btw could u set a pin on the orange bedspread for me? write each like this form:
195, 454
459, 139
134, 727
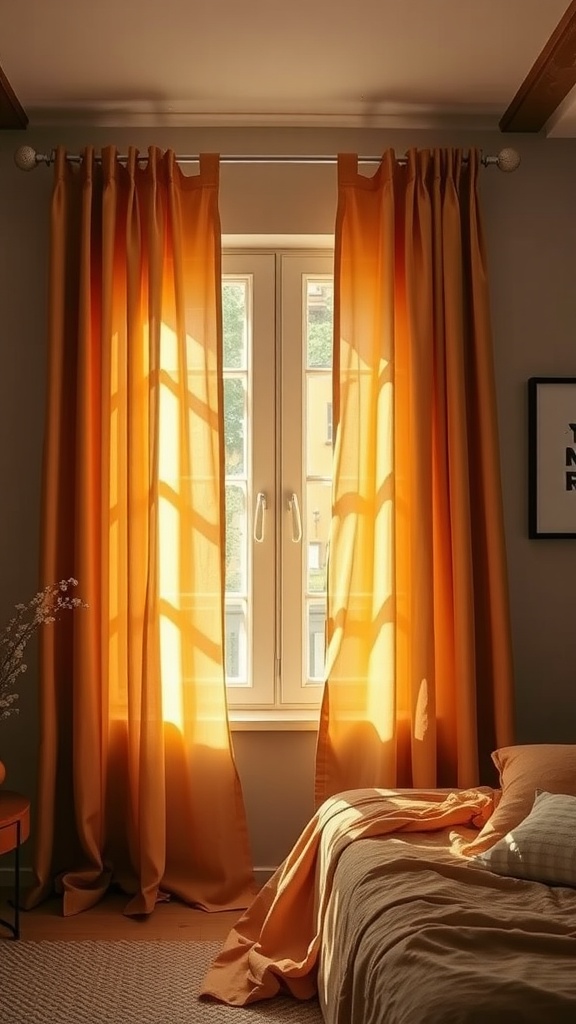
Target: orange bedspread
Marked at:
274, 946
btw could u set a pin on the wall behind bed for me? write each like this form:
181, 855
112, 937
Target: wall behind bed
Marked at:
530, 222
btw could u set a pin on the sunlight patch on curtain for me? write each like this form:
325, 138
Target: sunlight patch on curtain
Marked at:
190, 605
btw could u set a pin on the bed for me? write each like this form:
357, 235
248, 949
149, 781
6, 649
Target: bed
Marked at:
423, 907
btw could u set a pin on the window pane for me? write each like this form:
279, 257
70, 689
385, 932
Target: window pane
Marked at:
316, 636
318, 513
317, 471
314, 555
235, 324
236, 539
319, 319
236, 645
236, 328
235, 425
318, 422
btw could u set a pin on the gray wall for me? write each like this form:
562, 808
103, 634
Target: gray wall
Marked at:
530, 222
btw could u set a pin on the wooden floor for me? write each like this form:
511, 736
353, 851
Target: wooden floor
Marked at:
172, 920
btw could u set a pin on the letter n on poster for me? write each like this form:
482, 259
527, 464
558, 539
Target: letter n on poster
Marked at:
552, 457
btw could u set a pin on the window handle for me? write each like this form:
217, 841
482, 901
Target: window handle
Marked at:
294, 509
261, 506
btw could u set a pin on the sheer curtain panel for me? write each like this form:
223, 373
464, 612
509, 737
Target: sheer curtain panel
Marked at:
137, 781
419, 668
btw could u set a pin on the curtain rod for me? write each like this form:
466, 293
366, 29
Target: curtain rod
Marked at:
26, 158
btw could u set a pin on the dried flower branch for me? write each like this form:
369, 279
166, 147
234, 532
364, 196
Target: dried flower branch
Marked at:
44, 609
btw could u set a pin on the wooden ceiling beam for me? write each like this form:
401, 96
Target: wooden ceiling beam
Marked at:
12, 114
548, 82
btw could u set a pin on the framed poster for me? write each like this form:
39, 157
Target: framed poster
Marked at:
552, 457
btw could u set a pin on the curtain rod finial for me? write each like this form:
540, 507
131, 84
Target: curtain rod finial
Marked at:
508, 159
25, 158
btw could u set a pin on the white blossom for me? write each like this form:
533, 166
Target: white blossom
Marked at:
43, 609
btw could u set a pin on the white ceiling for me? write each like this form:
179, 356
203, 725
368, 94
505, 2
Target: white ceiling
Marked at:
181, 62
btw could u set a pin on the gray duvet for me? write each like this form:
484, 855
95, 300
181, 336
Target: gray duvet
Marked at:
417, 935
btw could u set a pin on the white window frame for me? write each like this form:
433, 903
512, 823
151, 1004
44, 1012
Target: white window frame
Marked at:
277, 461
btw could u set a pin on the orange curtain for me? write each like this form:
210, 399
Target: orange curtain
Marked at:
419, 669
137, 781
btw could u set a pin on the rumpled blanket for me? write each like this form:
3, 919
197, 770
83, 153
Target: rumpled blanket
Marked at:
274, 946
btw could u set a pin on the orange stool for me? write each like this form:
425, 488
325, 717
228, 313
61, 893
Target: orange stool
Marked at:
14, 830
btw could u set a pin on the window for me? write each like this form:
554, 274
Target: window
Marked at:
277, 318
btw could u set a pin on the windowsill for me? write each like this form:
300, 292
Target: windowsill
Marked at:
273, 721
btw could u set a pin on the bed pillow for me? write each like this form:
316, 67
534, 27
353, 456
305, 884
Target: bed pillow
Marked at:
524, 769
542, 847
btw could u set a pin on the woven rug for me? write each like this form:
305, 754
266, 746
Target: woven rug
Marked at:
123, 983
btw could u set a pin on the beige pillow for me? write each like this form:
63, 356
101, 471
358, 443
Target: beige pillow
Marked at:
523, 770
542, 847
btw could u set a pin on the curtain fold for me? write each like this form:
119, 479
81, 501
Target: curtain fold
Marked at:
419, 678
137, 781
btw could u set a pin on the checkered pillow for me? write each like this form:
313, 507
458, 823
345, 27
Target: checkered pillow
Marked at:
542, 847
